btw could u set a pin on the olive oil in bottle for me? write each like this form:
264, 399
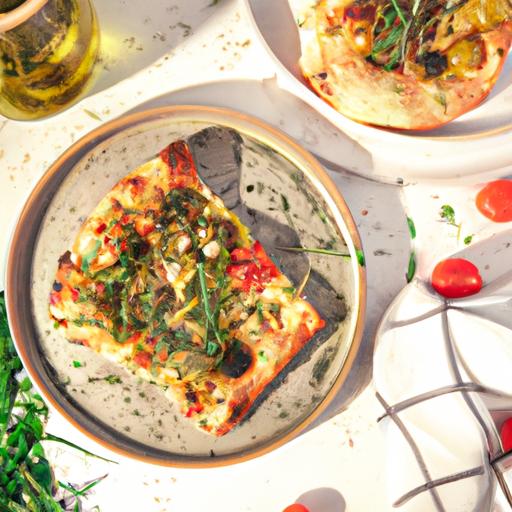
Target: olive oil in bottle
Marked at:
46, 61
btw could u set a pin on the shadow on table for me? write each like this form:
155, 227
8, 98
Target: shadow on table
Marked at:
323, 499
376, 207
134, 36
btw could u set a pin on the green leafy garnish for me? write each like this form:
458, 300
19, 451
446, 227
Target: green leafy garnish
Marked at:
412, 228
77, 364
211, 321
262, 357
360, 257
411, 269
259, 310
468, 239
447, 213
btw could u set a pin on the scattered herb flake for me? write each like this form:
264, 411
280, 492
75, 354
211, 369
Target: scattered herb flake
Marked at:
285, 203
259, 309
360, 257
468, 239
262, 357
77, 364
92, 114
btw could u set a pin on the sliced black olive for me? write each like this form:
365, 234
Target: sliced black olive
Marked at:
57, 286
237, 360
435, 64
191, 396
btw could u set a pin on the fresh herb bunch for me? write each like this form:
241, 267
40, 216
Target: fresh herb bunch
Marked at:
27, 482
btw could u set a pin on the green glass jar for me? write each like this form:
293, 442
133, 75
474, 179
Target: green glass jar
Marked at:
48, 49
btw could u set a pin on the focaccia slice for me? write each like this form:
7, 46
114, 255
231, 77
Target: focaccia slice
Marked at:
167, 282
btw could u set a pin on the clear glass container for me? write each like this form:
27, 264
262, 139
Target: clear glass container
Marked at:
48, 49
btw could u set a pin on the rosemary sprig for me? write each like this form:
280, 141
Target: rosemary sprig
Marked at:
314, 250
27, 481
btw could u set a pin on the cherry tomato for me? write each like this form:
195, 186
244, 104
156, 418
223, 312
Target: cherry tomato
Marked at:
495, 201
506, 435
456, 277
296, 507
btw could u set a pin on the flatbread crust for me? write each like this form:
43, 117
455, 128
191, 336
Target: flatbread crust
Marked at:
403, 99
133, 288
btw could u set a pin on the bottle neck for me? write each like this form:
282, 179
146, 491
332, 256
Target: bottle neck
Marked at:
9, 5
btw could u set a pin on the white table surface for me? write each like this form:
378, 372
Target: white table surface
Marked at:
188, 51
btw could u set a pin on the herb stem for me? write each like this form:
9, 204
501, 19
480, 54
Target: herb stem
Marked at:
399, 12
206, 305
327, 252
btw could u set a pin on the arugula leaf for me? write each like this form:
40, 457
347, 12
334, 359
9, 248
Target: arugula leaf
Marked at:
383, 44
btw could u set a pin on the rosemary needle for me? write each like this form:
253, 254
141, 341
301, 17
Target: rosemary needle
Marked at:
327, 252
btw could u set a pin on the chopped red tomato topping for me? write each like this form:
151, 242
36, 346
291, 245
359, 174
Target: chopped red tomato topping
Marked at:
125, 219
252, 268
162, 355
134, 338
101, 228
75, 294
143, 359
117, 230
196, 408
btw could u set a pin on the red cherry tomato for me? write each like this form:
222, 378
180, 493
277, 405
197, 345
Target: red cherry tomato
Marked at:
296, 507
495, 201
455, 278
506, 435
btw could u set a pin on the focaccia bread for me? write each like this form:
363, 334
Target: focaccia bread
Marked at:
166, 281
404, 64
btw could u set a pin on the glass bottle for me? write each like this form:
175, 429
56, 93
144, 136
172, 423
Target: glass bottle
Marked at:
47, 53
